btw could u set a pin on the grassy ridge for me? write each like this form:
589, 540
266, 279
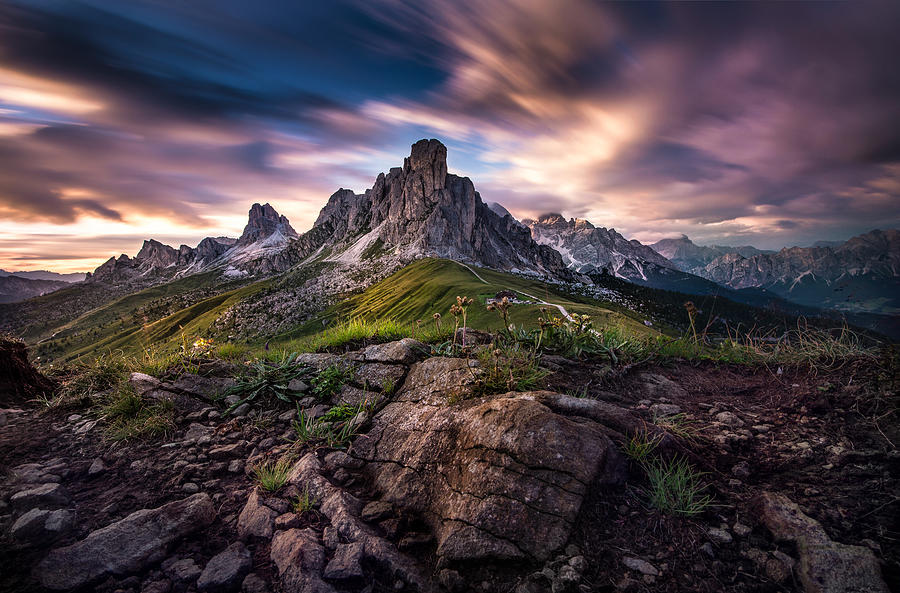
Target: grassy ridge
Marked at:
430, 286
137, 321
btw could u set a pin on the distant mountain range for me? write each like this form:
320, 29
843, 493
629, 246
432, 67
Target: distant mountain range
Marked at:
14, 288
688, 256
861, 274
420, 210
45, 275
18, 286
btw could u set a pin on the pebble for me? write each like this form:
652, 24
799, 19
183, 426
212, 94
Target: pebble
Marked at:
96, 468
719, 536
190, 488
741, 470
642, 566
728, 419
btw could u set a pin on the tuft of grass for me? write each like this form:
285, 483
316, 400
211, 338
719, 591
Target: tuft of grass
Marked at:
341, 412
676, 488
336, 428
509, 369
330, 380
305, 502
640, 446
232, 351
130, 417
679, 425
82, 380
268, 380
272, 475
388, 386
357, 331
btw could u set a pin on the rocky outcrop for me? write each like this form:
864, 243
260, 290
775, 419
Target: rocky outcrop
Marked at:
587, 248
264, 222
422, 210
20, 382
861, 274
498, 478
136, 541
826, 566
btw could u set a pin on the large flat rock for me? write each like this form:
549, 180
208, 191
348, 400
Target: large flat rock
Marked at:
501, 477
129, 545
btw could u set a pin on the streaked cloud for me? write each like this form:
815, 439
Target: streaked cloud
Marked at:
729, 122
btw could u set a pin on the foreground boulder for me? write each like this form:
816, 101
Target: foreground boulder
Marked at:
226, 570
826, 566
140, 539
496, 478
19, 380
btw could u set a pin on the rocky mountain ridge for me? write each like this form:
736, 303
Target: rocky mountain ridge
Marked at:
863, 268
418, 210
421, 210
587, 248
689, 256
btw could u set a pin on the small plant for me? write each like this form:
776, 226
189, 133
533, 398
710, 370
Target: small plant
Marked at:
330, 380
268, 380
641, 445
305, 502
80, 381
340, 412
308, 428
336, 428
679, 425
509, 369
341, 434
201, 347
130, 417
501, 307
388, 386
692, 317
581, 392
460, 309
676, 488
272, 474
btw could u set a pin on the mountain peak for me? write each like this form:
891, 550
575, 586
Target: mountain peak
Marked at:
552, 218
429, 159
264, 221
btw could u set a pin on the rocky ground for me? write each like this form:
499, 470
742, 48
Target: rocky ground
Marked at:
445, 491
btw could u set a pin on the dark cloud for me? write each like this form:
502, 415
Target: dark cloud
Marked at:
716, 119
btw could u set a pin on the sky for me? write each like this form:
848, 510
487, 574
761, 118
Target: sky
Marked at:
771, 124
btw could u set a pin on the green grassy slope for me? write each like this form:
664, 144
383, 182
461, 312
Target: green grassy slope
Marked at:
156, 317
431, 286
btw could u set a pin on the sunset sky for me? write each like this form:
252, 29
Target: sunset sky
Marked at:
771, 124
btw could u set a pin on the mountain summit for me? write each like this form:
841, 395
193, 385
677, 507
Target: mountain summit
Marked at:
263, 223
587, 248
422, 210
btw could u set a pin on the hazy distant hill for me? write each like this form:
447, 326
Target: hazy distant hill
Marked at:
46, 275
861, 274
14, 288
690, 257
